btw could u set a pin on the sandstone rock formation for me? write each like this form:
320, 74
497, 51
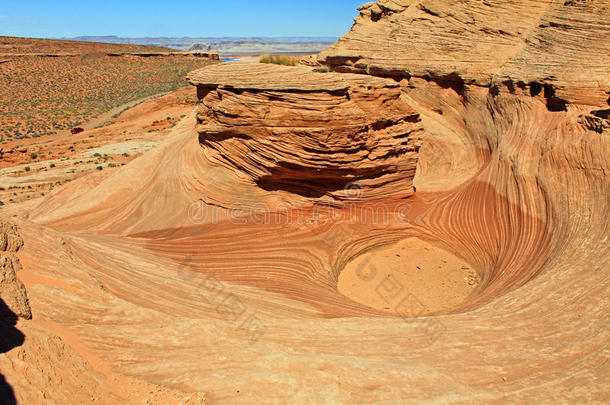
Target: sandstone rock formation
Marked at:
12, 291
186, 270
528, 44
309, 60
309, 133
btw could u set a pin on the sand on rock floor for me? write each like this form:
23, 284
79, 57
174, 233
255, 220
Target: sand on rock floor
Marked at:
412, 275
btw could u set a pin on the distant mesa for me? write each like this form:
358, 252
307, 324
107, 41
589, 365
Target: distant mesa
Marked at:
200, 47
224, 44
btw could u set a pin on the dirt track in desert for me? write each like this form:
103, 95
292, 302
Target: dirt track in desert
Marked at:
423, 226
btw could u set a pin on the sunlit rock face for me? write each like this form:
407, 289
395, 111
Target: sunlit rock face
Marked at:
319, 135
13, 296
520, 43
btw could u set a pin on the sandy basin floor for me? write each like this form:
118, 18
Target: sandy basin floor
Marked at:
412, 277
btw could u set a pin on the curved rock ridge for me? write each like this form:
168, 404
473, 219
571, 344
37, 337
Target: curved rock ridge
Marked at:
526, 43
505, 90
313, 134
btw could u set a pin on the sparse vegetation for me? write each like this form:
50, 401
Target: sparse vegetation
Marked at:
277, 59
321, 69
41, 96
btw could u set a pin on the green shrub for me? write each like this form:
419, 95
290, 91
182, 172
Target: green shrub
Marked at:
322, 69
99, 168
52, 165
277, 59
27, 168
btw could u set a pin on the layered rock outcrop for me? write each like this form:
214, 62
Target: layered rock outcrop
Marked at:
12, 292
313, 134
560, 45
506, 90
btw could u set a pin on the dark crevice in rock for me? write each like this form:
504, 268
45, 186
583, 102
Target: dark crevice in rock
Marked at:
428, 11
314, 182
594, 122
605, 114
221, 135
203, 91
549, 91
535, 89
451, 81
396, 75
575, 3
325, 151
510, 86
554, 103
559, 25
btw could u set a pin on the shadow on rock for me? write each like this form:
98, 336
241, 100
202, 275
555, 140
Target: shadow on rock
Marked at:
10, 337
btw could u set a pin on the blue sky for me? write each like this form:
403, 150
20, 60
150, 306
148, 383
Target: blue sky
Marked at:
176, 18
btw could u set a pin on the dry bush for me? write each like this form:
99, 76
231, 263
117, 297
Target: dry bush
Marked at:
277, 59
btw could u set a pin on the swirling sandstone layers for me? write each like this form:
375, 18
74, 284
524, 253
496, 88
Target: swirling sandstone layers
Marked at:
561, 44
513, 97
312, 134
508, 177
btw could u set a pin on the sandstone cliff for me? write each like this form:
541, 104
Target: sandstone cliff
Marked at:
309, 133
12, 291
562, 45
